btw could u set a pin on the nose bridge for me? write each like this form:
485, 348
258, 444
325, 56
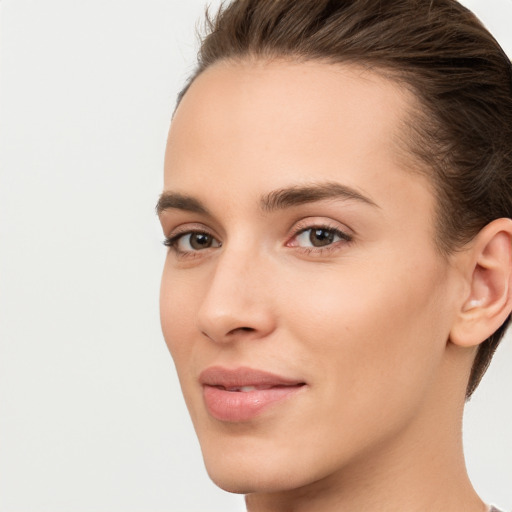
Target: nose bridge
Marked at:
236, 302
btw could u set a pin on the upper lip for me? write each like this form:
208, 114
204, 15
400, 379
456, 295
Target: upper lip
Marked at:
244, 376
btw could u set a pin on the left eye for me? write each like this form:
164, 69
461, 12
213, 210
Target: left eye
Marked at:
319, 237
193, 241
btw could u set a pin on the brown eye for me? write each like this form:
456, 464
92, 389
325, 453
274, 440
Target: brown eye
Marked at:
192, 241
320, 237
200, 241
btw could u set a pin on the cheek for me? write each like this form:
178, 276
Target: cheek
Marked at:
177, 299
371, 349
372, 332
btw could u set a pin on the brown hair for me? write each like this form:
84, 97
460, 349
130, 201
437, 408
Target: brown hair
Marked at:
439, 50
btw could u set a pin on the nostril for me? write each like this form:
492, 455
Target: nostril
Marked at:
230, 335
242, 329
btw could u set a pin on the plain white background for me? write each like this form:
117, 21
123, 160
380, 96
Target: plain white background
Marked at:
91, 415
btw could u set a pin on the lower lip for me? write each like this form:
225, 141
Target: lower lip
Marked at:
239, 406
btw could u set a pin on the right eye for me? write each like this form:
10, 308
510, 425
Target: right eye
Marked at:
191, 241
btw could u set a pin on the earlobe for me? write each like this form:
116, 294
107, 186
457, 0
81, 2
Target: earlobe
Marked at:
489, 273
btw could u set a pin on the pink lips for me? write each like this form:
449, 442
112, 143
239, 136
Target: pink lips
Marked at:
241, 394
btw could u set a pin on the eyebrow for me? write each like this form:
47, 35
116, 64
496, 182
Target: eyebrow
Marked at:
174, 201
297, 195
276, 200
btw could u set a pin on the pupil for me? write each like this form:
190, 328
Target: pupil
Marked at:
320, 237
201, 241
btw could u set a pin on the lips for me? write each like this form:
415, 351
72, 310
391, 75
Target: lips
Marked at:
241, 394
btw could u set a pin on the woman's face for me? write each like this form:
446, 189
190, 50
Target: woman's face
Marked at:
303, 300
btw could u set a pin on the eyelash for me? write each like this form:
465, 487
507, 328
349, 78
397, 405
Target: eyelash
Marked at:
344, 238
172, 241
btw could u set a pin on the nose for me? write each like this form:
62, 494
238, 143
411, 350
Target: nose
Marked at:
237, 304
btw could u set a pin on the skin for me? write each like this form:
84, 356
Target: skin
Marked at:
365, 323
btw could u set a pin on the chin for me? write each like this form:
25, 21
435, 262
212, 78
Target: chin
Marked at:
233, 484
241, 473
250, 469
239, 481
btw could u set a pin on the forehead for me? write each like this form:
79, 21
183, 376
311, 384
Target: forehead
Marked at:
257, 125
281, 95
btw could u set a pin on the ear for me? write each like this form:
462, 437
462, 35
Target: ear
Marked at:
488, 268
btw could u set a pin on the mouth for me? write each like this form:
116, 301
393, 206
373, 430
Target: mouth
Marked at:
242, 394
248, 389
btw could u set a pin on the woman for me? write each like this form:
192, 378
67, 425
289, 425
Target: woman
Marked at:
337, 204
